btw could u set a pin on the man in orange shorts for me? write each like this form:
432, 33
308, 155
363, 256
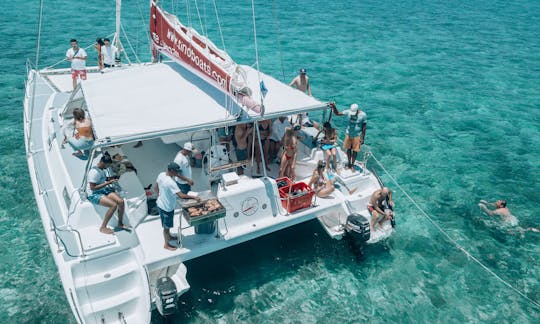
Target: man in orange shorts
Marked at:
355, 133
77, 57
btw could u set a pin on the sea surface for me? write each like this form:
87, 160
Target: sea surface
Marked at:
452, 93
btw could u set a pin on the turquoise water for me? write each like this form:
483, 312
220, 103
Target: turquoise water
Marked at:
452, 93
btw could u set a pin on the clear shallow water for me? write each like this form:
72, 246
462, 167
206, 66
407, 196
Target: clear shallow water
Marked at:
451, 91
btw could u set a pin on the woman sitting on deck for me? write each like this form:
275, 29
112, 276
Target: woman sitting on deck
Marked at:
319, 181
288, 158
82, 138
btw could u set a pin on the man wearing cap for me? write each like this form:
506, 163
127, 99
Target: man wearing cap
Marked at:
355, 133
301, 82
167, 191
183, 160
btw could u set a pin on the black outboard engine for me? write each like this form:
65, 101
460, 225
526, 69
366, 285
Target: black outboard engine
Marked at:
357, 227
166, 296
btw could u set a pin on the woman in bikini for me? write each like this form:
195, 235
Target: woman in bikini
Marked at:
328, 143
82, 138
288, 158
320, 183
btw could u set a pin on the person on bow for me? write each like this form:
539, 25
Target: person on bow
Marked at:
77, 57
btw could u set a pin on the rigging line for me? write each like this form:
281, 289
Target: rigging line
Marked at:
38, 44
147, 31
276, 19
219, 26
256, 50
130, 46
200, 19
456, 244
188, 13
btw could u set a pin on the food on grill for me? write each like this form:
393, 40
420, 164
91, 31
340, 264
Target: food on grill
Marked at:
204, 208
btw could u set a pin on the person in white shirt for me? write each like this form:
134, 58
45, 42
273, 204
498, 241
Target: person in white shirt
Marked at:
102, 193
183, 160
77, 57
167, 191
109, 53
278, 130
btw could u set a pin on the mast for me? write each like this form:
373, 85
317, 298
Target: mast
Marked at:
117, 33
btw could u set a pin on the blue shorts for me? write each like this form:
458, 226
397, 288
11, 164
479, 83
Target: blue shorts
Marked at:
184, 187
97, 194
327, 146
167, 218
241, 155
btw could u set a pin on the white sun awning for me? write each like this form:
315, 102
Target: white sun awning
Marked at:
151, 100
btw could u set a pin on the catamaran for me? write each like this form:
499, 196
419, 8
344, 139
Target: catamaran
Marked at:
194, 97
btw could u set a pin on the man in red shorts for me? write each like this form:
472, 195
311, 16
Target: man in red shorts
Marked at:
77, 57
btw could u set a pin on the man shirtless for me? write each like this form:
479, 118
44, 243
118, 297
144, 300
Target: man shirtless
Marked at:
301, 82
500, 208
380, 205
241, 134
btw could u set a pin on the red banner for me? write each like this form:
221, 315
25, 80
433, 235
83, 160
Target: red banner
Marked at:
177, 46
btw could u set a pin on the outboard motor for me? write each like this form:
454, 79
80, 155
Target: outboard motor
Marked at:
357, 227
165, 292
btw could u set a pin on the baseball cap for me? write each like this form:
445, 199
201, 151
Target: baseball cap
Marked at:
188, 147
354, 107
302, 71
173, 166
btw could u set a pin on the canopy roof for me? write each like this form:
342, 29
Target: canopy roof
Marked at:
146, 101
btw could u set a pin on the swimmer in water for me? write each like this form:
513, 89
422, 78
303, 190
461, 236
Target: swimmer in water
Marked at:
500, 209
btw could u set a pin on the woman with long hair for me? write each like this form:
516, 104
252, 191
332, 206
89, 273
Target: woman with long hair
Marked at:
328, 145
82, 138
288, 157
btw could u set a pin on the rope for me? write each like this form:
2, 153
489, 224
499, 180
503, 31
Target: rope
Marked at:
456, 244
130, 46
219, 26
200, 19
39, 33
256, 51
143, 21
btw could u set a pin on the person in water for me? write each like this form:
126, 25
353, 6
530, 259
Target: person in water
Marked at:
301, 82
498, 208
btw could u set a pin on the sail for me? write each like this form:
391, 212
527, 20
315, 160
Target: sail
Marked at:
197, 53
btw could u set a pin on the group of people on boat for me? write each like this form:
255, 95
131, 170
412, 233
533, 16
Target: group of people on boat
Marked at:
107, 56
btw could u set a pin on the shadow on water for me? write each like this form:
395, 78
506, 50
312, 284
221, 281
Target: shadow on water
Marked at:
220, 279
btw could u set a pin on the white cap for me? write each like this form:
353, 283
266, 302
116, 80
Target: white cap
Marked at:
188, 147
354, 107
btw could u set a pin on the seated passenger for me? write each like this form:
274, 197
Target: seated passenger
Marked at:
167, 191
288, 158
328, 145
319, 181
120, 163
104, 194
381, 207
244, 97
82, 138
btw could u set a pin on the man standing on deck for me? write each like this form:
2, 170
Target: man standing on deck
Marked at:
301, 82
109, 53
183, 159
355, 133
77, 57
241, 135
167, 191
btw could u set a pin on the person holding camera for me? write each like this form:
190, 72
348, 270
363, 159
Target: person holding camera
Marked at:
103, 193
